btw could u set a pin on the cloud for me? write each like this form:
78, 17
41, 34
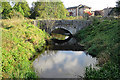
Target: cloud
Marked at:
62, 64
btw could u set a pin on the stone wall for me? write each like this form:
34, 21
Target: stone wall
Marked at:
73, 26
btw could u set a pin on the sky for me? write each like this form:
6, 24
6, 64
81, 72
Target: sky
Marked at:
94, 4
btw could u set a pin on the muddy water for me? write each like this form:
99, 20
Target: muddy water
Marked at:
63, 60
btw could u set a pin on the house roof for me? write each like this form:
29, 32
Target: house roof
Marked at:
72, 7
78, 6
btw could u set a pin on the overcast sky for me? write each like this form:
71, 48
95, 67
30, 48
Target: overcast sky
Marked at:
94, 4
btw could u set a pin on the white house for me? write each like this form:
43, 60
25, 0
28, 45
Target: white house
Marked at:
79, 10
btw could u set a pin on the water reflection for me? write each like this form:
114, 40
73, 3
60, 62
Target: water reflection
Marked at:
62, 64
69, 44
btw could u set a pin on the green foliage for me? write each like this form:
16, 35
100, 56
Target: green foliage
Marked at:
18, 9
5, 5
23, 8
14, 14
93, 35
8, 12
5, 9
44, 10
108, 71
118, 7
103, 37
20, 42
48, 10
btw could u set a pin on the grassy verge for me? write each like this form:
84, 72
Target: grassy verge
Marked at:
20, 41
102, 39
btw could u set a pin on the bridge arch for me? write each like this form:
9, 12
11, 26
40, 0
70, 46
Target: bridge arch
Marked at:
73, 26
62, 31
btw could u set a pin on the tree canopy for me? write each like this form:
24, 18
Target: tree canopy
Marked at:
5, 9
118, 7
23, 8
39, 9
19, 8
48, 10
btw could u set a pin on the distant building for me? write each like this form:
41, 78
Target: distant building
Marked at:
79, 10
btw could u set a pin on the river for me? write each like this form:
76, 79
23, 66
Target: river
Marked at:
63, 60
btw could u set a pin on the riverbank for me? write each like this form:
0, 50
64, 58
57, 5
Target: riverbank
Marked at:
102, 40
20, 41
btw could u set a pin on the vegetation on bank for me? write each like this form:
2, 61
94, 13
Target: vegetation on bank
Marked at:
102, 39
20, 41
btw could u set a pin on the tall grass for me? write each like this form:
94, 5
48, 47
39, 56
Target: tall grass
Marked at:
20, 41
102, 39
0, 54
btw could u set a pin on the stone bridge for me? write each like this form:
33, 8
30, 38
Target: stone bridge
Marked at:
73, 26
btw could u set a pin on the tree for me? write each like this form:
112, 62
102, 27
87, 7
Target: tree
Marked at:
23, 8
48, 10
62, 12
5, 9
118, 7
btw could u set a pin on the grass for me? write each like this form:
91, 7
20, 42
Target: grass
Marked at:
20, 41
102, 40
